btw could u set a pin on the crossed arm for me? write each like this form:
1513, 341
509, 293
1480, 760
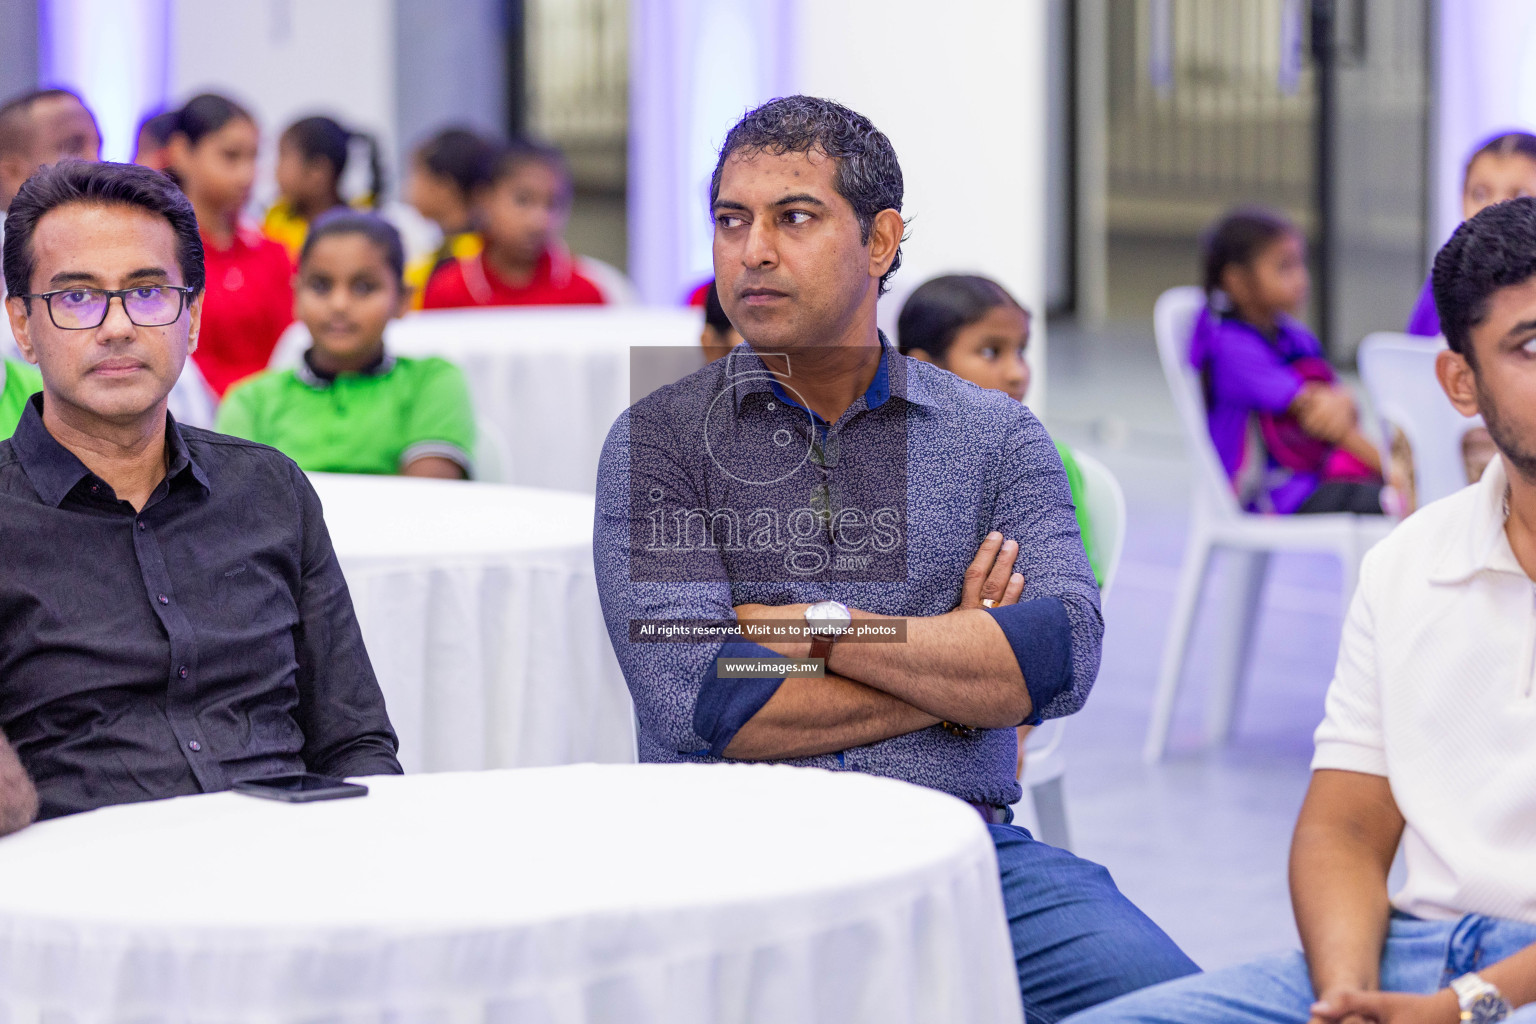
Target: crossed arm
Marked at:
1345, 840
957, 667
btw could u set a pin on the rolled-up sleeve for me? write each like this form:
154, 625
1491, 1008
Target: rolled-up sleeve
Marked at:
1056, 630
679, 700
341, 708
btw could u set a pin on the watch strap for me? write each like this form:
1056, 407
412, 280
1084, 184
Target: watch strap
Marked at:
821, 647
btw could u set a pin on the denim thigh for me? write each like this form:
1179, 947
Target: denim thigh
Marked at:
1076, 940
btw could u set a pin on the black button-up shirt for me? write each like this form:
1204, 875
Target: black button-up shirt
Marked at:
206, 639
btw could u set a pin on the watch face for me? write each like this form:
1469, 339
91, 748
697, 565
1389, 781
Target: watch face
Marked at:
827, 613
1487, 1008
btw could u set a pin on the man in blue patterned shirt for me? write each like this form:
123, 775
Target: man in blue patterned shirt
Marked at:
815, 476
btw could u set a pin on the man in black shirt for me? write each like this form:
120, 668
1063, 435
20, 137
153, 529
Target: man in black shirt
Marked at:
172, 615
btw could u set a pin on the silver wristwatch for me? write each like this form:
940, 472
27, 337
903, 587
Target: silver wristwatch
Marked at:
825, 621
1481, 1003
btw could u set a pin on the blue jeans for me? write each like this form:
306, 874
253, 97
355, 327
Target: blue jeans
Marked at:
1077, 941
1419, 957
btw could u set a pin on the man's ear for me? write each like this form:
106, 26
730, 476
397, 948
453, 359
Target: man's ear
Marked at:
884, 240
194, 321
21, 327
1458, 380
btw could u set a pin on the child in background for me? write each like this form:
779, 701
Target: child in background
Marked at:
719, 335
973, 328
350, 407
522, 215
311, 158
249, 299
447, 172
152, 143
1287, 433
1502, 168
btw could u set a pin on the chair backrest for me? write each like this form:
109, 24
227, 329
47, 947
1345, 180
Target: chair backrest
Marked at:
1173, 323
1398, 371
1105, 501
490, 459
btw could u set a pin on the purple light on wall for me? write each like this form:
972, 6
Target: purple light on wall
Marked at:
114, 53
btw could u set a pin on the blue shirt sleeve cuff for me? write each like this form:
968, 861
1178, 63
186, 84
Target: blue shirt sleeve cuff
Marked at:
1041, 637
724, 706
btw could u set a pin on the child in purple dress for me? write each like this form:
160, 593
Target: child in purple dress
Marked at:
1286, 431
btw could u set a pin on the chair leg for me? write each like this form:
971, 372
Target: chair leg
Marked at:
1239, 628
1051, 813
1186, 602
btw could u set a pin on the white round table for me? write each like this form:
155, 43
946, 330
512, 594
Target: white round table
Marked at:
478, 604
547, 381
638, 894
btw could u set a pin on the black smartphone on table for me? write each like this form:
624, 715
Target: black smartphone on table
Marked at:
300, 788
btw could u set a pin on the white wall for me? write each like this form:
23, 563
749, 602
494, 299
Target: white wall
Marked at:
961, 92
286, 59
1485, 82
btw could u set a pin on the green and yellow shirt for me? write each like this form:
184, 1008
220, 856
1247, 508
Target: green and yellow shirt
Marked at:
377, 420
18, 382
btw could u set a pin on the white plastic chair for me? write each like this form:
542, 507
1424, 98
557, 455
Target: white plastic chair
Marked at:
1218, 521
490, 459
1044, 763
1398, 371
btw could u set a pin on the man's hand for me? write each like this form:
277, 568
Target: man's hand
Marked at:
990, 574
18, 797
1347, 1007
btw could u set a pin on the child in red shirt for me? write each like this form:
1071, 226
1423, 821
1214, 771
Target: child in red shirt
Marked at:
249, 299
522, 214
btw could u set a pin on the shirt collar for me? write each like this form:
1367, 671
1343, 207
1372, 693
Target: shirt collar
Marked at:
54, 470
749, 375
1482, 545
309, 374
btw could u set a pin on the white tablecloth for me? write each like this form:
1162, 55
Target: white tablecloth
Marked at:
479, 607
641, 894
547, 382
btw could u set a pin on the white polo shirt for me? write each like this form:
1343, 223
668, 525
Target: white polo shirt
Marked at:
1434, 691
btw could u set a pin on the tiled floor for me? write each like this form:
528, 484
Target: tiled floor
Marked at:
1200, 841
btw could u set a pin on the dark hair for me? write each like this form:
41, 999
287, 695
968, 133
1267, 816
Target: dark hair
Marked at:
203, 115
159, 127
376, 229
938, 309
1504, 144
321, 138
1236, 240
714, 313
464, 157
76, 181
1493, 250
15, 116
519, 152
868, 174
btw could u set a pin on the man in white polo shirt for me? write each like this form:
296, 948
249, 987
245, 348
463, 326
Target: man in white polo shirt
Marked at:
1430, 731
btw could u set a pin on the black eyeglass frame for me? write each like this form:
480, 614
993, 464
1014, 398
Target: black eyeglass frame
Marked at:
119, 294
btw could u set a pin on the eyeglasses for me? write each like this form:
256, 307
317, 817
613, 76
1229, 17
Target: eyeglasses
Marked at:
83, 309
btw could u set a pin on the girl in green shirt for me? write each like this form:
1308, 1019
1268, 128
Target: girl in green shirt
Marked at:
18, 382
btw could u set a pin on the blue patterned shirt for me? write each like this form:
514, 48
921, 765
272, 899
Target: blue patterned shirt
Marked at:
723, 489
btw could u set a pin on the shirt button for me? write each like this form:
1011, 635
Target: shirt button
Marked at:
194, 746
163, 599
142, 526
182, 671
